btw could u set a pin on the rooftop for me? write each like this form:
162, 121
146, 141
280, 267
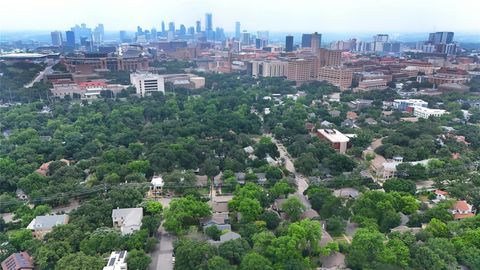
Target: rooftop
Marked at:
47, 222
333, 135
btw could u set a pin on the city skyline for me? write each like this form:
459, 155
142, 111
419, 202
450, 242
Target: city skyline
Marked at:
304, 16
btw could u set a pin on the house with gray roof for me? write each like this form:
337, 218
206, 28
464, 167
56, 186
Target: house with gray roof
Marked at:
127, 220
42, 225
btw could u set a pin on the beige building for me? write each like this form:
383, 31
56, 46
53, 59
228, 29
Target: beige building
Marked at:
300, 70
372, 84
341, 77
338, 140
329, 57
275, 69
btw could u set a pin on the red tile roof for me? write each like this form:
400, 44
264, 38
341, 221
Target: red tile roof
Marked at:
461, 216
441, 192
461, 206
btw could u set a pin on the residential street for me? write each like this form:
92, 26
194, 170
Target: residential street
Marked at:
163, 252
301, 180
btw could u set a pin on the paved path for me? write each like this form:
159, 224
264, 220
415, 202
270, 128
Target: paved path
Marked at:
47, 70
163, 252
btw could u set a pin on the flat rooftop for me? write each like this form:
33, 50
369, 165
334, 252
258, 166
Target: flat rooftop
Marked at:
333, 135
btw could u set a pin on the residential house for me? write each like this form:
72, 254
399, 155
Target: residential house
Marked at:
441, 195
156, 185
240, 176
202, 180
461, 210
228, 236
127, 220
261, 178
18, 261
346, 193
309, 214
117, 261
42, 225
326, 124
220, 220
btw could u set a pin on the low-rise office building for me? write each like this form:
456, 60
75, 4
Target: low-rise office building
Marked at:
337, 140
423, 112
147, 83
366, 85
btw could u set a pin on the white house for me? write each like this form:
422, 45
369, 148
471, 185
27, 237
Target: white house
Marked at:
127, 220
441, 195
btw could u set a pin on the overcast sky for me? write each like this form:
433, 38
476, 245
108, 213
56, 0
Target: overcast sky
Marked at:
273, 15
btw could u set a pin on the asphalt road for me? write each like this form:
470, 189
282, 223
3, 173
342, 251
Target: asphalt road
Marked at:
301, 180
162, 255
163, 252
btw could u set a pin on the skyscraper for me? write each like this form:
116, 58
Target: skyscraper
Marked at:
56, 38
289, 43
183, 30
191, 30
163, 28
123, 36
246, 38
306, 40
237, 30
198, 26
70, 35
316, 41
441, 38
153, 34
208, 22
171, 27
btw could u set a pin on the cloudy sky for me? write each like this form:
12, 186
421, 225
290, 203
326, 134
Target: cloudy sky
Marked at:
273, 15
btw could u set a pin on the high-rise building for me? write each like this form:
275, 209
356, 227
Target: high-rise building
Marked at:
289, 43
171, 27
57, 39
153, 34
209, 27
441, 38
70, 36
139, 31
123, 36
300, 70
258, 43
237, 30
246, 38
378, 42
163, 28
306, 40
182, 30
98, 34
191, 30
208, 22
198, 26
316, 42
337, 76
